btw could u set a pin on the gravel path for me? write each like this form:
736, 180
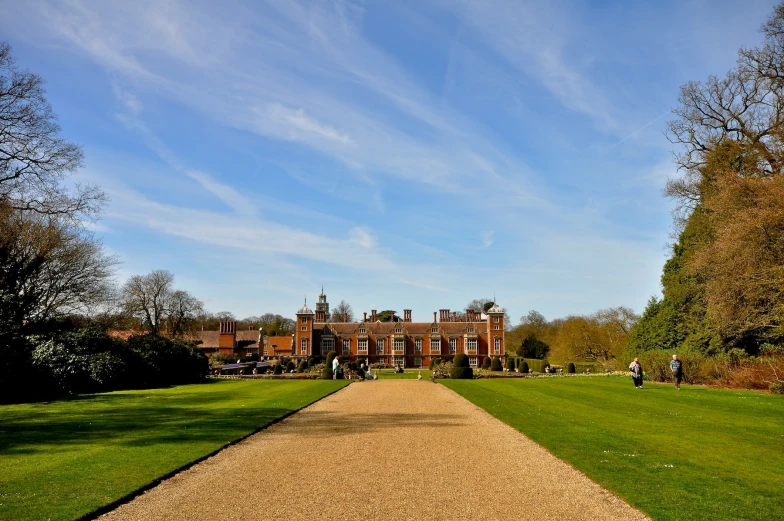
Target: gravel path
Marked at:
381, 450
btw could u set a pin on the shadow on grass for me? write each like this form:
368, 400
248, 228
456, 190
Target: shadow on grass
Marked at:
105, 419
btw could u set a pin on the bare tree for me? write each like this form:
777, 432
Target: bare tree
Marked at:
340, 312
160, 308
145, 298
746, 107
50, 269
182, 310
34, 160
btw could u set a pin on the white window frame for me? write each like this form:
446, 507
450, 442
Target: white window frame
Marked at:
435, 348
470, 330
380, 345
471, 344
399, 330
327, 345
346, 346
434, 330
399, 345
497, 345
362, 346
418, 345
362, 330
304, 320
304, 328
399, 360
496, 319
418, 361
453, 345
496, 328
472, 361
303, 346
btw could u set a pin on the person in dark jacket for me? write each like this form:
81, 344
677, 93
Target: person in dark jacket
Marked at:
677, 371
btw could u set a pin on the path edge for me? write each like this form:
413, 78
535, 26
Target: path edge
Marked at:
127, 498
646, 515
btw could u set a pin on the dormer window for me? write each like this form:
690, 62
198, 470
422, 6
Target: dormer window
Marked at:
362, 330
470, 330
434, 330
399, 330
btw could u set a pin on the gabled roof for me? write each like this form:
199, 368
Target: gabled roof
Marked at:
278, 343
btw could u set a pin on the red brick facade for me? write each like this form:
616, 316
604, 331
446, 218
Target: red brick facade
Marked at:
405, 343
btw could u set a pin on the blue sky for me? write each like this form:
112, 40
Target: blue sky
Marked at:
403, 154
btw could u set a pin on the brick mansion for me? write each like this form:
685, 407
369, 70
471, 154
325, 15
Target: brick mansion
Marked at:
400, 341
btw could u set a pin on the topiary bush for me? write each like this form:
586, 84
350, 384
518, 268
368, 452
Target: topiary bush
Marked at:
523, 369
570, 368
510, 364
303, 366
290, 366
461, 370
278, 369
495, 365
486, 363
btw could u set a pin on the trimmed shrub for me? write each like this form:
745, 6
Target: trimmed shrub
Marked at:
486, 363
523, 369
461, 370
495, 365
312, 362
290, 366
353, 366
537, 365
510, 364
278, 369
570, 368
326, 373
303, 366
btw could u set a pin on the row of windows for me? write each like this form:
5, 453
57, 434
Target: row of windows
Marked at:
327, 345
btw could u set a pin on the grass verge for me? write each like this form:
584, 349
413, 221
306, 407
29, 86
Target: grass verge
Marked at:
691, 455
64, 459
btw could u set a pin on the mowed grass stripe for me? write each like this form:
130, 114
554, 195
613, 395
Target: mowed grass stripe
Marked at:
697, 453
64, 459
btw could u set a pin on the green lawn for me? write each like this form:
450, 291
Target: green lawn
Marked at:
408, 374
695, 454
64, 459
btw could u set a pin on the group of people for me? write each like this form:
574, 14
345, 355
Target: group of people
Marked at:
676, 368
337, 370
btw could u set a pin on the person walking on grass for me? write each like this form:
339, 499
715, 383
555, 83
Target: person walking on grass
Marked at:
636, 370
335, 365
677, 371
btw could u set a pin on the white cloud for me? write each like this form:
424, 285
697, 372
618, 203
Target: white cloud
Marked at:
300, 126
487, 239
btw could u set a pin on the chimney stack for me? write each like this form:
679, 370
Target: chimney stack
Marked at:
345, 317
372, 315
454, 316
406, 315
434, 316
364, 316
